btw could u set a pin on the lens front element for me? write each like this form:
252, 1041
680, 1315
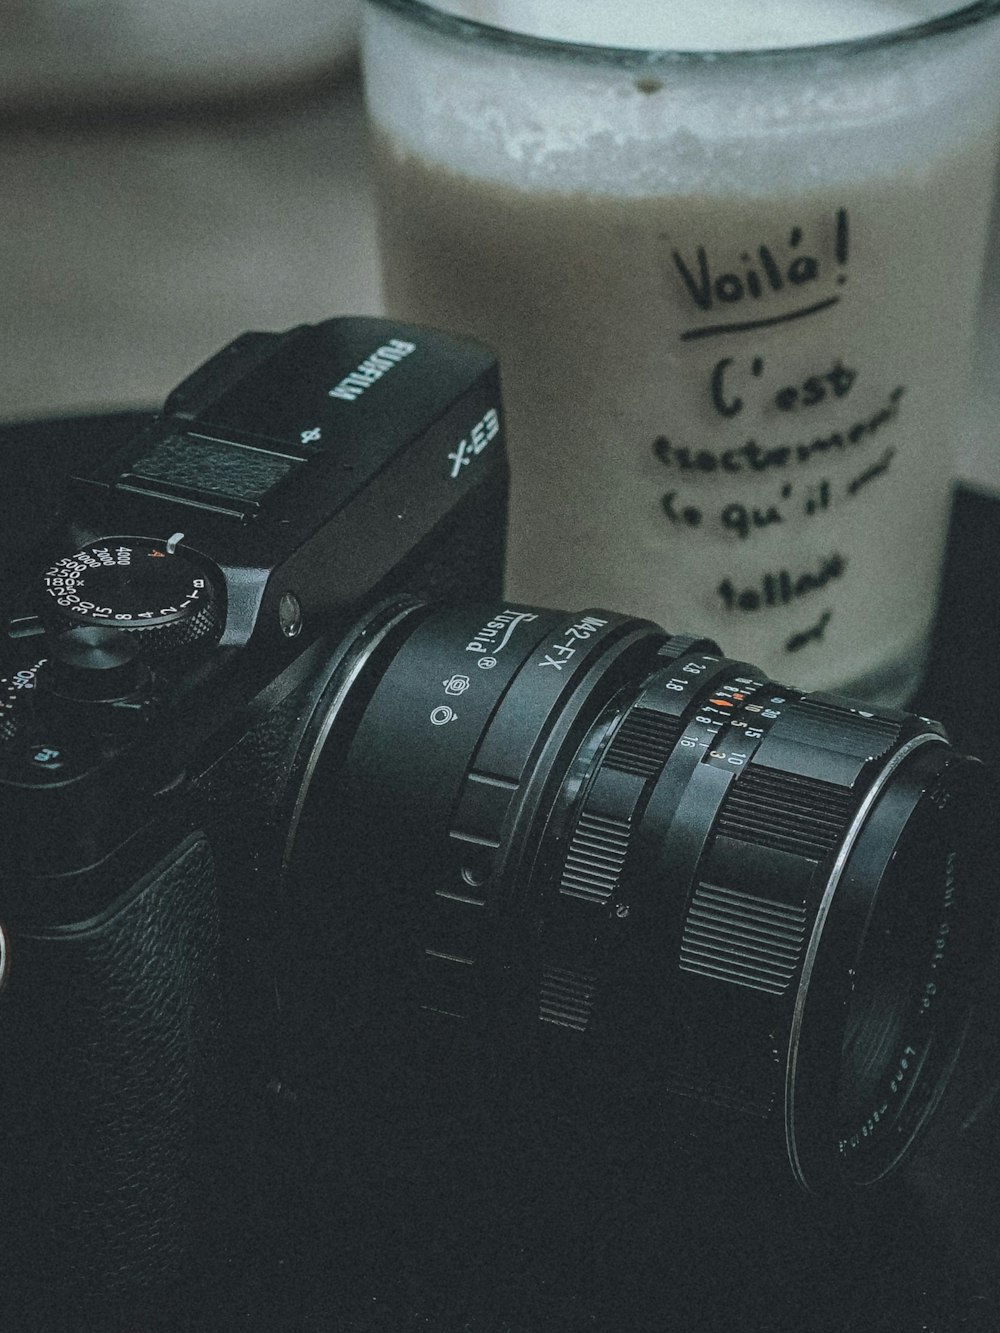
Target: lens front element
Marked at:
889, 984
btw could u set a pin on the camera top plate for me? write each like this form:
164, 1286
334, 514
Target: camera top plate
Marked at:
310, 460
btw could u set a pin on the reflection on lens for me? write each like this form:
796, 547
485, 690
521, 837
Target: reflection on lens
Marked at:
897, 942
625, 859
904, 949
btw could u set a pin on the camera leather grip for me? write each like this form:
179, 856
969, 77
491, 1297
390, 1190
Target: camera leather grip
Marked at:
109, 1046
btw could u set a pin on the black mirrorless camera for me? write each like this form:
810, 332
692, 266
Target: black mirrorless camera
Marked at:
306, 828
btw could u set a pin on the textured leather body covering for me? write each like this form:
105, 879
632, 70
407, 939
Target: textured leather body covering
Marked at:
138, 1164
109, 1036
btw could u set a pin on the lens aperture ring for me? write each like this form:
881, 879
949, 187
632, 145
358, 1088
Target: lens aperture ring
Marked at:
685, 646
642, 742
611, 804
674, 718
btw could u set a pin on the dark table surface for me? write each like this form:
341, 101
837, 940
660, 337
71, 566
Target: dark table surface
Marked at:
613, 1236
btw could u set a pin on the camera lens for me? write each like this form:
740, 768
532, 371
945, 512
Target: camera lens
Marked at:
608, 849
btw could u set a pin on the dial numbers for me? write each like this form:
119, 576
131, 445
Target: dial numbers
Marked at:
132, 583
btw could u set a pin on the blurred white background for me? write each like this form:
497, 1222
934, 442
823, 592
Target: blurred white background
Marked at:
171, 174
69, 49
980, 461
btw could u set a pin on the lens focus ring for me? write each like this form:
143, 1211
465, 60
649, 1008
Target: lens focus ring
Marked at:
711, 828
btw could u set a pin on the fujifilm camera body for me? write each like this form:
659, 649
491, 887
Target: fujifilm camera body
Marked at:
177, 641
345, 904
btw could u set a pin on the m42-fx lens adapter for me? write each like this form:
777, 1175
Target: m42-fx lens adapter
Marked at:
612, 850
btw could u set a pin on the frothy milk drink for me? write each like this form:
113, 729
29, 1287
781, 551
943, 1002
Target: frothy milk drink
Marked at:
733, 299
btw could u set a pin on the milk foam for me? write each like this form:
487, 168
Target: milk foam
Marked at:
703, 25
670, 123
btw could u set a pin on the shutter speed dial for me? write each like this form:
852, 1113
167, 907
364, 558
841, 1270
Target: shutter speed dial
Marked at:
146, 587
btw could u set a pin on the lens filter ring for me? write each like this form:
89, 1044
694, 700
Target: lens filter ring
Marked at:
890, 977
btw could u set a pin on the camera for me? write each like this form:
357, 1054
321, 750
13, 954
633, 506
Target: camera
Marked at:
307, 830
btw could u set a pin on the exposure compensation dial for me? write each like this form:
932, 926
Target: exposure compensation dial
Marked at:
143, 586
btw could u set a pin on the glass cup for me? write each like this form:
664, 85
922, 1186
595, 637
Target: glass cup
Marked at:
730, 257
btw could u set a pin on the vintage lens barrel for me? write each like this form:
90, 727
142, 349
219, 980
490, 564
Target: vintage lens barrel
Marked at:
599, 843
